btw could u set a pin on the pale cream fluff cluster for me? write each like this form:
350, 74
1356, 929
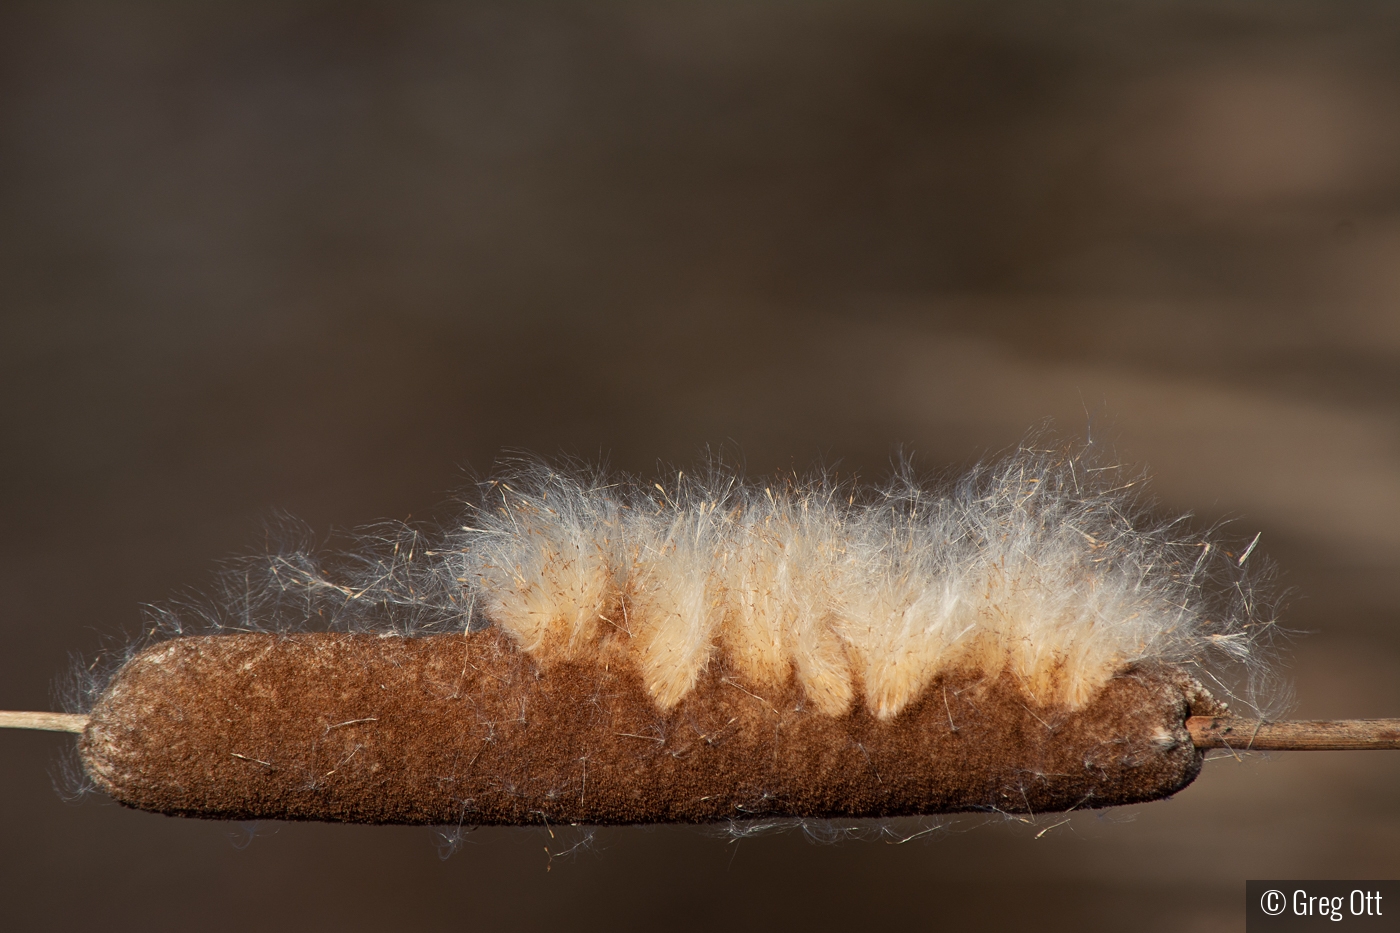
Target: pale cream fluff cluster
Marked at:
1040, 566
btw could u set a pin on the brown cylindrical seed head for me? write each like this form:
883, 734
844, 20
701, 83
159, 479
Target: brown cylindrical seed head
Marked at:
467, 729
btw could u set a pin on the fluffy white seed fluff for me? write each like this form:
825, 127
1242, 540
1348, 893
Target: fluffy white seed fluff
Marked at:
1042, 566
1039, 567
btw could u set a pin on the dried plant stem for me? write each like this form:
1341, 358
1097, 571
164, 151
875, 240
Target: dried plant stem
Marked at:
49, 722
1261, 735
1206, 731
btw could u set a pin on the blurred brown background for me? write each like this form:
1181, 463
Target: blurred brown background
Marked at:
322, 257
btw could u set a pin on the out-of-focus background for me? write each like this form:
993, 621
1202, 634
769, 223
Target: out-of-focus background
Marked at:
324, 258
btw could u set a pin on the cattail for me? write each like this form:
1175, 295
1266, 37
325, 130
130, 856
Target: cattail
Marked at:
588, 649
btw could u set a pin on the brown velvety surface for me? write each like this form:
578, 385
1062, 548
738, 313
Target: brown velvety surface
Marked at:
466, 729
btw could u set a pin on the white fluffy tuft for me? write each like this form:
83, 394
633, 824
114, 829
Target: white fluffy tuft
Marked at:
1037, 567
